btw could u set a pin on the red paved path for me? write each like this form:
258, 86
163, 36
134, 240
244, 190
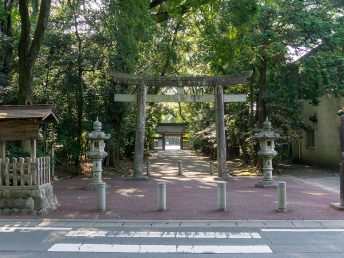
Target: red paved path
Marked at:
192, 196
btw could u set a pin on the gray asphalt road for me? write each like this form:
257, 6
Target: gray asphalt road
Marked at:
64, 238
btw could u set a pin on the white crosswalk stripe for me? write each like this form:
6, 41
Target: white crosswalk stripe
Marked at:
164, 234
8, 229
161, 248
193, 249
302, 230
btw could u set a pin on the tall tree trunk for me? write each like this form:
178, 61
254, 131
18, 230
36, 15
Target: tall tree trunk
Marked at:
262, 91
25, 82
251, 105
80, 90
117, 149
6, 29
28, 50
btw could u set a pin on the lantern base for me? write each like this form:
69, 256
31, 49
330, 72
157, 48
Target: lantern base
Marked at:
337, 206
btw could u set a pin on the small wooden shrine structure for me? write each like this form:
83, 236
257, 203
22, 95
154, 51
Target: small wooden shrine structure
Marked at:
25, 183
171, 129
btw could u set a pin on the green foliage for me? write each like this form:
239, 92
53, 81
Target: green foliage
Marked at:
13, 151
87, 39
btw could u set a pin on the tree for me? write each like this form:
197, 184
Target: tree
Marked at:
6, 40
28, 49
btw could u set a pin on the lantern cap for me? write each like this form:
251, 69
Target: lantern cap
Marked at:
267, 124
97, 125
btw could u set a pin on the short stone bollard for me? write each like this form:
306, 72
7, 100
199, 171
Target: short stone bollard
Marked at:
281, 196
101, 196
161, 196
211, 168
148, 167
221, 196
180, 163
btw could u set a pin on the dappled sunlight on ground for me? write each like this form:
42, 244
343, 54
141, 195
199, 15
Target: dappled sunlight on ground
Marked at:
130, 192
316, 193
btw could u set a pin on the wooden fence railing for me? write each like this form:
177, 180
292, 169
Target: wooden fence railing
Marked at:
24, 171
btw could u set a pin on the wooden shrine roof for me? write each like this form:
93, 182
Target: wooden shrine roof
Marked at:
24, 112
171, 128
224, 80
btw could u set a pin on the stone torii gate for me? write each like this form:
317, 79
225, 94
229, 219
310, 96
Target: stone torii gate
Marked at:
218, 82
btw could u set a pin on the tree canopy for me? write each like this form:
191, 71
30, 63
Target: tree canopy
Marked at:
62, 52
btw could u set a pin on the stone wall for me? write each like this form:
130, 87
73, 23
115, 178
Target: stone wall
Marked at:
35, 200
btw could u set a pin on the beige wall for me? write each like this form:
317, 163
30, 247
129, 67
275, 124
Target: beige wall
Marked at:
326, 148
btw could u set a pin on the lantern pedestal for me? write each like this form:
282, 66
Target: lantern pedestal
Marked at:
96, 180
267, 181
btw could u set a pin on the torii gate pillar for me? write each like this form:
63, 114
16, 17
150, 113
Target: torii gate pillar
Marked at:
140, 133
220, 133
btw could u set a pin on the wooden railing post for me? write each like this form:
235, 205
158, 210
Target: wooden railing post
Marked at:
29, 172
38, 170
6, 171
1, 176
20, 166
14, 171
34, 170
43, 170
48, 169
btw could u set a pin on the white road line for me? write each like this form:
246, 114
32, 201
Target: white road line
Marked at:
6, 229
195, 249
301, 230
166, 234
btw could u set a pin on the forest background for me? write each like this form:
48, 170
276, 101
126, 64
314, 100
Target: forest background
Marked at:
61, 52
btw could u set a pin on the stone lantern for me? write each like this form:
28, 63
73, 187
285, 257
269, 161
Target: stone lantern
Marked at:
267, 152
97, 153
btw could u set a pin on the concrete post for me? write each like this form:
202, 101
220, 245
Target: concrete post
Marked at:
101, 196
221, 196
148, 167
211, 168
161, 196
282, 194
180, 164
